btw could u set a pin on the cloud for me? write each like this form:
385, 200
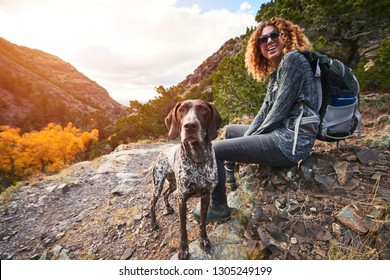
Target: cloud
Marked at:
245, 6
128, 47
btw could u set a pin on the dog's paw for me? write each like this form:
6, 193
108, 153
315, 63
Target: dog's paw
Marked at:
205, 244
154, 226
184, 251
184, 254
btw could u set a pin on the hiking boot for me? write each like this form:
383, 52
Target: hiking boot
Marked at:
216, 213
230, 180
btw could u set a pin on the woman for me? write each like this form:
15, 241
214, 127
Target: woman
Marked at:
269, 140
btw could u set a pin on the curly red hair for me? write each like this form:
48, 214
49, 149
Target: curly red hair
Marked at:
291, 35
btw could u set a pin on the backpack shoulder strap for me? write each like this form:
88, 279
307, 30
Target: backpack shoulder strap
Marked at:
317, 77
296, 129
314, 60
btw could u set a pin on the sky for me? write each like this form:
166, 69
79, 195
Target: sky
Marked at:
129, 47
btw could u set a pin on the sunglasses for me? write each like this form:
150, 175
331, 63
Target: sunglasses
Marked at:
264, 39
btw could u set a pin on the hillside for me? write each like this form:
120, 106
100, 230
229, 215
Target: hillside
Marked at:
335, 206
207, 67
37, 88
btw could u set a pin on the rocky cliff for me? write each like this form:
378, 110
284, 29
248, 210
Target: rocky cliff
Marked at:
37, 88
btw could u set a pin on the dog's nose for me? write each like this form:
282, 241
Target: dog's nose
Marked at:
191, 125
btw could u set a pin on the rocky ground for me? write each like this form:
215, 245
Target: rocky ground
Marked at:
335, 205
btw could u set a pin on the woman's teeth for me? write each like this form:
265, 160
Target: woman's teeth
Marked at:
271, 48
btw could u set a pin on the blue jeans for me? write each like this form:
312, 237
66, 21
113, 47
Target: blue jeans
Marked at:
260, 149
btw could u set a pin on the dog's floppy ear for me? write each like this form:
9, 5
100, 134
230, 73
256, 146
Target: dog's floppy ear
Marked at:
215, 123
172, 124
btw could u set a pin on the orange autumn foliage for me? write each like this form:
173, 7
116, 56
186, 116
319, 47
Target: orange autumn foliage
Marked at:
46, 151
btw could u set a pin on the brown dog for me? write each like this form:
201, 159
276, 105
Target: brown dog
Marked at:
190, 167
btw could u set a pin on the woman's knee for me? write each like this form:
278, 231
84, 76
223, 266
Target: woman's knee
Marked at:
218, 148
235, 130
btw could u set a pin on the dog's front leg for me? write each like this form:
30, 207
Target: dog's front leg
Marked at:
204, 206
184, 250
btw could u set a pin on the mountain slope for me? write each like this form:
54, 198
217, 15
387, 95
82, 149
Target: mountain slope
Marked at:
210, 65
37, 88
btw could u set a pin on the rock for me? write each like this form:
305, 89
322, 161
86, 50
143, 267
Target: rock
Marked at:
64, 255
269, 247
307, 173
226, 243
278, 180
274, 230
382, 168
326, 183
60, 234
336, 228
58, 189
351, 158
64, 188
352, 184
299, 229
293, 209
269, 187
58, 253
122, 190
315, 229
57, 249
293, 240
338, 191
51, 188
348, 237
44, 255
166, 240
118, 162
385, 193
246, 170
344, 171
377, 212
366, 156
322, 166
114, 166
6, 256
327, 236
348, 217
127, 254
321, 253
258, 213
376, 176
355, 168
251, 184
234, 200
128, 177
281, 202
137, 217
42, 200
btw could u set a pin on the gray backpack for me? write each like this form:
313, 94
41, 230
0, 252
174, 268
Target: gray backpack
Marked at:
338, 101
338, 97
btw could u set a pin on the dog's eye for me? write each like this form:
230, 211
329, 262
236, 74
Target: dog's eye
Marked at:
202, 109
182, 110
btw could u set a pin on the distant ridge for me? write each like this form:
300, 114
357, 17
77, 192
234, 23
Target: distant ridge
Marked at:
210, 65
37, 88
